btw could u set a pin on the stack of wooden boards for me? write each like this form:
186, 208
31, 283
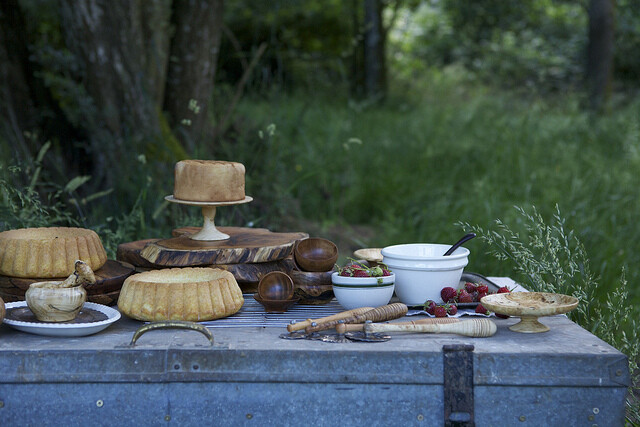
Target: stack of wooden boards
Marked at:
248, 254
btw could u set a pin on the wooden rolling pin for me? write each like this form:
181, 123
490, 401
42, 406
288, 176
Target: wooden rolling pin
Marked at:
380, 314
345, 314
341, 328
478, 328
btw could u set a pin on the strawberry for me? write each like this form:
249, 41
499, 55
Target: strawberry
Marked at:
481, 295
503, 290
481, 309
440, 311
502, 316
452, 309
355, 269
448, 294
464, 296
482, 289
430, 306
361, 273
474, 296
470, 287
348, 270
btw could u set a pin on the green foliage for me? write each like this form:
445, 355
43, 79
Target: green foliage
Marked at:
23, 207
531, 44
309, 42
44, 203
125, 227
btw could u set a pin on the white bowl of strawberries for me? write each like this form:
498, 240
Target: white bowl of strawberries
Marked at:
422, 270
357, 285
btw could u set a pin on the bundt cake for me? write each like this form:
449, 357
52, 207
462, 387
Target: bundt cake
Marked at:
193, 293
49, 252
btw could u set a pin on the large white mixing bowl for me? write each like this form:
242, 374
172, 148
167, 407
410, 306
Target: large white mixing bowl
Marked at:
422, 271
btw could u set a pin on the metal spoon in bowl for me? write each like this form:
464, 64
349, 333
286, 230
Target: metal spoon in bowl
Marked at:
459, 243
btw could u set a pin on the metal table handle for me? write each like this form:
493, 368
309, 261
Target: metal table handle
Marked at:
171, 324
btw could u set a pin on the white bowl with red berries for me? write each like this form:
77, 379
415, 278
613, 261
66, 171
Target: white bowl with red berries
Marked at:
358, 285
422, 270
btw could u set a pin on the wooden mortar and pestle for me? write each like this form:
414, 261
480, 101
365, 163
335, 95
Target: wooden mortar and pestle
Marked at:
60, 301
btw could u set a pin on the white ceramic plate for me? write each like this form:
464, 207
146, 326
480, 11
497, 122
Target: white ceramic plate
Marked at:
64, 329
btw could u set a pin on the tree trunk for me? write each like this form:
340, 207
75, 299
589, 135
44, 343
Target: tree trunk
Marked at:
600, 52
156, 37
194, 52
26, 103
123, 49
356, 76
374, 50
119, 79
16, 97
108, 38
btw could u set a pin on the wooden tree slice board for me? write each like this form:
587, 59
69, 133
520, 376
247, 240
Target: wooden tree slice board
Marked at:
109, 278
130, 252
245, 245
109, 298
245, 274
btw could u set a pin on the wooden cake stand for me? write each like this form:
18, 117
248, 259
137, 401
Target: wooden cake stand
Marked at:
208, 232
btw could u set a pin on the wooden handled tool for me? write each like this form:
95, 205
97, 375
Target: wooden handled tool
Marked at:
349, 313
380, 314
478, 328
341, 328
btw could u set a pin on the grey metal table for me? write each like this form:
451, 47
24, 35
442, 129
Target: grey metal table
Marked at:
250, 376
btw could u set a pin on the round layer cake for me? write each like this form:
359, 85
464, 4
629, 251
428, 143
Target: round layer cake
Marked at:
49, 252
209, 181
193, 293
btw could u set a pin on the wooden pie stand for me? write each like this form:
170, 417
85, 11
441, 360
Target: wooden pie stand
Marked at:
248, 253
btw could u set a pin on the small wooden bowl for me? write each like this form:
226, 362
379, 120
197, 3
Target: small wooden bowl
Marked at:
316, 254
275, 306
275, 285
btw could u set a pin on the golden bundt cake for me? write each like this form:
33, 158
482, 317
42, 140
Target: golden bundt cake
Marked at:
49, 252
193, 293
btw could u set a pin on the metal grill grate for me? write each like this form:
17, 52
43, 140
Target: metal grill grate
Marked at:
252, 314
